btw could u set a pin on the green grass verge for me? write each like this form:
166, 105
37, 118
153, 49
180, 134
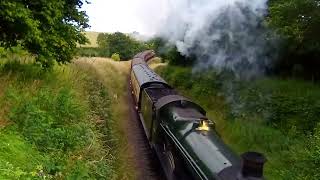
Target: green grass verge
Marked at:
53, 125
277, 117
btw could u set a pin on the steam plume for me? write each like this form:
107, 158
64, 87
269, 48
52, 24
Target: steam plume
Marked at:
225, 34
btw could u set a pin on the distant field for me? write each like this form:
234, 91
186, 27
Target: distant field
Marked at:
92, 36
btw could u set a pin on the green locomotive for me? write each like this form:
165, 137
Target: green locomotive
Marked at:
184, 139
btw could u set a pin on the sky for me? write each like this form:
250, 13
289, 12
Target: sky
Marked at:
126, 16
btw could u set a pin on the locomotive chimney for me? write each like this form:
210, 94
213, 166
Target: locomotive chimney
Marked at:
252, 165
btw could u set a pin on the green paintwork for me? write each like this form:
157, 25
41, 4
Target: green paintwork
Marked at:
205, 152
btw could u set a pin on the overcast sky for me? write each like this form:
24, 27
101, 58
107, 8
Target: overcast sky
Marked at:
126, 16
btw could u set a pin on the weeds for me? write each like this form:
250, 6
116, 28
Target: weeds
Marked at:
52, 132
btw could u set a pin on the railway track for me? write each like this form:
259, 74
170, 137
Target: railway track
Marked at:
147, 164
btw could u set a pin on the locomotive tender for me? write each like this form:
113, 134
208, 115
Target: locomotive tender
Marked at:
183, 138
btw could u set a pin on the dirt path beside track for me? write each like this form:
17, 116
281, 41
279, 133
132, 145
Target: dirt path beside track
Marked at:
134, 159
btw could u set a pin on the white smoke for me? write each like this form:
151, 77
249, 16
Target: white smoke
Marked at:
225, 34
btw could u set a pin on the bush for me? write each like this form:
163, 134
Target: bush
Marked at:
115, 56
51, 122
92, 52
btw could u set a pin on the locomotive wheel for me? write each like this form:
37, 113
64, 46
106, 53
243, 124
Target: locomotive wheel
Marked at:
171, 160
171, 167
175, 167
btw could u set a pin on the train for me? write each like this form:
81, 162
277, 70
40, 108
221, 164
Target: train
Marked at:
184, 140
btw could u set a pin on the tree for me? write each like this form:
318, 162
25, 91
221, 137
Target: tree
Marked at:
49, 29
158, 44
298, 22
102, 41
121, 43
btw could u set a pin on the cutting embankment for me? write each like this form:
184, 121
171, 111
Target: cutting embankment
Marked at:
54, 124
74, 122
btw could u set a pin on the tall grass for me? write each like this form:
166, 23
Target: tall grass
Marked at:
51, 129
277, 117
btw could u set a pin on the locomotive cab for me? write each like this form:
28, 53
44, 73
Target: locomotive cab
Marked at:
197, 145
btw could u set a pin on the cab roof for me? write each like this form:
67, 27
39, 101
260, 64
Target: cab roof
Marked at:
166, 100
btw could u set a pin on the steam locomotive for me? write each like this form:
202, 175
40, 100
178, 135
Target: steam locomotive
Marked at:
182, 137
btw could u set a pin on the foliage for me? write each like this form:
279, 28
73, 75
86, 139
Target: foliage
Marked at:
115, 56
298, 22
18, 159
120, 43
169, 53
47, 120
277, 117
158, 44
285, 104
91, 52
48, 29
176, 58
51, 131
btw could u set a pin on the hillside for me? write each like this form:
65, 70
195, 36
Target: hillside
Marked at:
92, 36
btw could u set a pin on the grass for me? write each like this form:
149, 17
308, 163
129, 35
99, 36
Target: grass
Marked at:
113, 76
50, 126
277, 117
18, 158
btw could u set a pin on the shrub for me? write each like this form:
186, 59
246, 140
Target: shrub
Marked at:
51, 122
92, 52
115, 56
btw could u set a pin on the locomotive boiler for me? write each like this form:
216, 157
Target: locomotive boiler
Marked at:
182, 137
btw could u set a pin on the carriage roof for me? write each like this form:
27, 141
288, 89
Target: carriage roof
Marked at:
145, 76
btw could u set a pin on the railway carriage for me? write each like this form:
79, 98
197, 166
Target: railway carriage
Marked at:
181, 135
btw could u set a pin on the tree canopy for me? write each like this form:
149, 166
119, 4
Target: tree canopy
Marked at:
298, 22
49, 29
120, 43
